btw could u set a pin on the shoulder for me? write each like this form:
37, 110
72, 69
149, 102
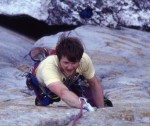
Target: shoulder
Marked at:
85, 57
48, 71
49, 62
50, 59
85, 62
86, 66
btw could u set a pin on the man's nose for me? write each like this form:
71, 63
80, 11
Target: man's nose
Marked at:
70, 66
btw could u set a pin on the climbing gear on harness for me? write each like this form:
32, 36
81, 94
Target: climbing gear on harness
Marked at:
44, 96
79, 86
86, 106
29, 81
76, 84
37, 54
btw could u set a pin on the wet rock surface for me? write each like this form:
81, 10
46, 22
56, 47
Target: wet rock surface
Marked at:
121, 58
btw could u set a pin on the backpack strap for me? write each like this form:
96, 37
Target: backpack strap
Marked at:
35, 67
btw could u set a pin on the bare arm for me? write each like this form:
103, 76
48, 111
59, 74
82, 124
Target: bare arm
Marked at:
97, 92
63, 92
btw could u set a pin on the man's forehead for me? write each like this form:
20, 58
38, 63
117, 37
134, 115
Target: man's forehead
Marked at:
64, 58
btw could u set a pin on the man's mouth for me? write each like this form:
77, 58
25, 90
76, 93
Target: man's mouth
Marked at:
69, 71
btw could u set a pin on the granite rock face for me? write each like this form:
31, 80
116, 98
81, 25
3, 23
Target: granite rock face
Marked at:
121, 59
112, 13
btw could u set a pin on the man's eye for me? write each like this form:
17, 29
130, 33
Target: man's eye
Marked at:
66, 62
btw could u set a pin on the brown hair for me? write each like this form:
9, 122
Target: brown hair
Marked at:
70, 47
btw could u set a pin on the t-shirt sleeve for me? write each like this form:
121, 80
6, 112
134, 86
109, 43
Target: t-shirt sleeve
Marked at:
87, 66
48, 72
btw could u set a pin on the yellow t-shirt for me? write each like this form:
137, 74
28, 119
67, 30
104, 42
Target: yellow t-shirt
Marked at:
48, 71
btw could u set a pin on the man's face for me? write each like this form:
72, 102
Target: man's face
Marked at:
67, 66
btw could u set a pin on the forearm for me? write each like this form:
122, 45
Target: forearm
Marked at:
97, 93
65, 94
70, 98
